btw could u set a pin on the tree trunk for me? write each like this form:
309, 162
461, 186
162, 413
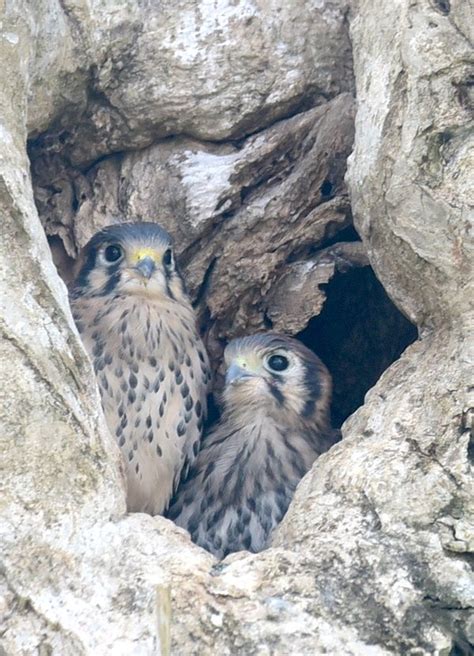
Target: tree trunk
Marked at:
231, 126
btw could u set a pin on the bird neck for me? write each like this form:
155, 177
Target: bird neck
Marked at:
263, 410
255, 420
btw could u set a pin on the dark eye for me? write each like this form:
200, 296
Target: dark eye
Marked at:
278, 362
113, 253
168, 257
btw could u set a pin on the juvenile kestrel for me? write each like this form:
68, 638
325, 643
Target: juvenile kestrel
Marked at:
138, 326
275, 423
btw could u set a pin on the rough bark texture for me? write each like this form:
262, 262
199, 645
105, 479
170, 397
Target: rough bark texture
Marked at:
230, 123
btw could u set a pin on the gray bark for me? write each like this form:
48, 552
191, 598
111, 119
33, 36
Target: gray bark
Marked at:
232, 128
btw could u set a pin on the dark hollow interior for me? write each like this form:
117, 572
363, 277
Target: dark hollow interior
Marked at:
358, 334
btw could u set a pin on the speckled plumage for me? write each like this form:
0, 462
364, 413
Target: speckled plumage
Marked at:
274, 425
138, 326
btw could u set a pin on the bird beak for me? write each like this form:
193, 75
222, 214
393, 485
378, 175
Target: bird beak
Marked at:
236, 373
146, 266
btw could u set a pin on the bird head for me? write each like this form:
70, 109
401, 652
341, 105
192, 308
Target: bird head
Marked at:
276, 373
129, 258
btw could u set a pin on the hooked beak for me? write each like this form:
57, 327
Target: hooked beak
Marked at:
235, 374
146, 266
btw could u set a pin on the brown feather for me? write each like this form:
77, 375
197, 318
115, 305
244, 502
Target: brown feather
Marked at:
151, 366
244, 477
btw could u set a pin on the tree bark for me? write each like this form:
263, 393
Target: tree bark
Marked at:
234, 134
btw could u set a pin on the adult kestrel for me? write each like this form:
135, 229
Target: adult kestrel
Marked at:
138, 326
275, 423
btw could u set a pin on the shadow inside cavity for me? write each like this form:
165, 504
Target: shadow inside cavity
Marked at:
358, 334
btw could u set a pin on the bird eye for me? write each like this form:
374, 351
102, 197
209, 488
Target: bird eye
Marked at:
113, 253
278, 362
168, 257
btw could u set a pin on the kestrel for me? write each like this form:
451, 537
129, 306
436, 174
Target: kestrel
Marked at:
275, 423
138, 325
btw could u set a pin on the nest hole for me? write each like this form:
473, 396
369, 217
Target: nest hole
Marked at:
358, 334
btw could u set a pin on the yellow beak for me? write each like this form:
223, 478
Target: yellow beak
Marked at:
142, 253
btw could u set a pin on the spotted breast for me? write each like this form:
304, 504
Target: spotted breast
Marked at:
138, 326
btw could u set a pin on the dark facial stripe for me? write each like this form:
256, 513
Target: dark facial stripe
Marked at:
177, 274
168, 288
82, 280
277, 395
81, 285
114, 278
312, 388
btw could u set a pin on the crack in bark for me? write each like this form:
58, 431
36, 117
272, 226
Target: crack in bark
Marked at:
417, 448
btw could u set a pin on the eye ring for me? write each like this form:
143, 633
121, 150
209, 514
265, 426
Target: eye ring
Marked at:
168, 258
278, 362
113, 253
